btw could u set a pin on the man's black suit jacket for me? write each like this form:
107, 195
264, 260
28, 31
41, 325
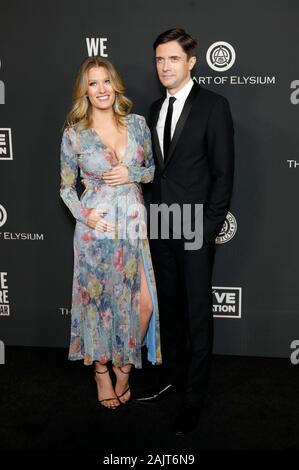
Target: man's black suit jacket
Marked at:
200, 163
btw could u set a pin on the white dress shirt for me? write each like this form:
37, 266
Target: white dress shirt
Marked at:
178, 105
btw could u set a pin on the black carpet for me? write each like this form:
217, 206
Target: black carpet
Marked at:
50, 403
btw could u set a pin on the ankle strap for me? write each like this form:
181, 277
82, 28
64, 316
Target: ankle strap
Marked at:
99, 372
124, 371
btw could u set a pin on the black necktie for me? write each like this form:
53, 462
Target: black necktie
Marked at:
167, 127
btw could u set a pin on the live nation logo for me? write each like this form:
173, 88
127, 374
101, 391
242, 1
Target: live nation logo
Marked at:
5, 144
227, 302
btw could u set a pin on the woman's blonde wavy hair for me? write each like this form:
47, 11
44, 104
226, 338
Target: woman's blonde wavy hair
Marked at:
80, 113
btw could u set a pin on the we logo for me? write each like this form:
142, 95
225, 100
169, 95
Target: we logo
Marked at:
96, 46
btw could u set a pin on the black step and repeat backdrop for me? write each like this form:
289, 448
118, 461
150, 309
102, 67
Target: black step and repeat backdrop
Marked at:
248, 53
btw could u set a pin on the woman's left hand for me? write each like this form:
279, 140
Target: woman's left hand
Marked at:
118, 175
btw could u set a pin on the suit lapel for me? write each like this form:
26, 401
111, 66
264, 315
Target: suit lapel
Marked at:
181, 122
155, 138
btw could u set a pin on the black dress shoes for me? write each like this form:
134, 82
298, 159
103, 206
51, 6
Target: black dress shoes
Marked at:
187, 419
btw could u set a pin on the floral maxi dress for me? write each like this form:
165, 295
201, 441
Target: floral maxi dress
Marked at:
105, 313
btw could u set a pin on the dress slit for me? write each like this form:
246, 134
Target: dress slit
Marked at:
150, 337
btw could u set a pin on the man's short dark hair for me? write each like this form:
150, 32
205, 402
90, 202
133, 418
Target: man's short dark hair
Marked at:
187, 43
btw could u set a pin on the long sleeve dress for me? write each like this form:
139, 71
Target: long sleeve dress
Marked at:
105, 313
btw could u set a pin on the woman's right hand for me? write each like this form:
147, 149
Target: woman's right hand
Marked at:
97, 222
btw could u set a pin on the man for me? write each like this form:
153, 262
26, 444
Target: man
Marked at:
192, 134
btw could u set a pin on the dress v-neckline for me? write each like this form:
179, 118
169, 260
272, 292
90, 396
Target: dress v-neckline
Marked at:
109, 148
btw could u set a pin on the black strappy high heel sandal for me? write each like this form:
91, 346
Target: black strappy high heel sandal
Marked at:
107, 399
127, 390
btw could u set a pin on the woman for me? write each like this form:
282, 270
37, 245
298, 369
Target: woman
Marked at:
114, 301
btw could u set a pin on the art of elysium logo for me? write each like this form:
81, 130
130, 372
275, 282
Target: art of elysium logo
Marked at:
228, 230
3, 215
221, 56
